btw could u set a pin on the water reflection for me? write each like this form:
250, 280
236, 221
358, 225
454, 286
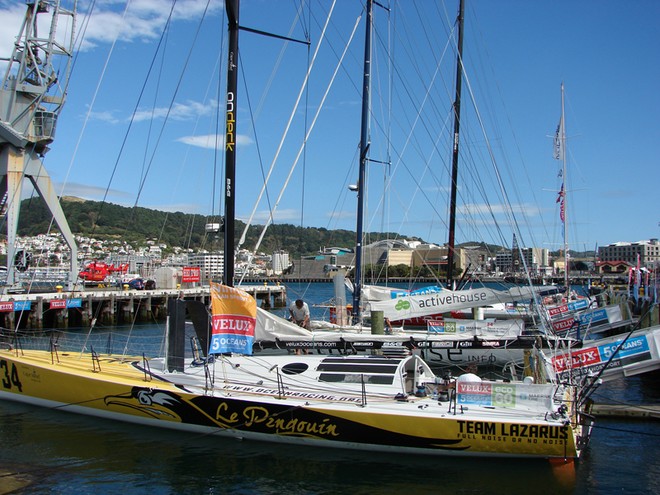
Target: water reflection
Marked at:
71, 453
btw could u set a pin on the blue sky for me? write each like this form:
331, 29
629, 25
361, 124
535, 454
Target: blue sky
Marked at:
516, 55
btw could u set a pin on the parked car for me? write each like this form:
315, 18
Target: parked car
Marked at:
135, 283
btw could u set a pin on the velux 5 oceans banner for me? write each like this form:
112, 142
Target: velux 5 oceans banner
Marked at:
234, 316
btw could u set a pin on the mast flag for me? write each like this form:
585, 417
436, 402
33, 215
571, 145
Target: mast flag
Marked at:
559, 140
560, 200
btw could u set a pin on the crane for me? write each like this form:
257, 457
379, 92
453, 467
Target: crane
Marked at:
32, 95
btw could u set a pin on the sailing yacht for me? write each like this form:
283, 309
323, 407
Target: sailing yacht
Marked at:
365, 402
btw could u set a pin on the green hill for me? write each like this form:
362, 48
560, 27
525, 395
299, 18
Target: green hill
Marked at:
137, 225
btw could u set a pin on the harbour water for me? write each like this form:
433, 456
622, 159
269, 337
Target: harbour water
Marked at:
47, 451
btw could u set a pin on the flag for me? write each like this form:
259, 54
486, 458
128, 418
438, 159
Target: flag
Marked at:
233, 320
638, 279
559, 140
560, 195
560, 200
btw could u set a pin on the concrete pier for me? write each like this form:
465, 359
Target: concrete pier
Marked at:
111, 306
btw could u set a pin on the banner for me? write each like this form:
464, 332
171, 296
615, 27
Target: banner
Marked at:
22, 305
490, 328
190, 274
412, 306
74, 302
233, 320
594, 357
570, 307
509, 395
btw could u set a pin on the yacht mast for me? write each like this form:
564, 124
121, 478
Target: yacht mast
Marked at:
230, 141
454, 165
364, 149
561, 152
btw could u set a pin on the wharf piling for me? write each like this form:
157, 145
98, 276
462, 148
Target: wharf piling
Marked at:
111, 306
651, 411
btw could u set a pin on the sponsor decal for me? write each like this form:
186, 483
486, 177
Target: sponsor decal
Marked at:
57, 304
486, 394
577, 359
593, 317
435, 344
563, 325
22, 305
514, 432
435, 326
190, 274
75, 302
632, 350
6, 306
230, 141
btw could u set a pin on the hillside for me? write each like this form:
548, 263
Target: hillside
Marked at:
136, 225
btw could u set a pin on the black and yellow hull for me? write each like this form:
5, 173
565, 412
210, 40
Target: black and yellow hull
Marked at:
125, 389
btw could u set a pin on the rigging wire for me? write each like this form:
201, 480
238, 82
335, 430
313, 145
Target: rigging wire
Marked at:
172, 100
151, 66
253, 119
281, 144
321, 104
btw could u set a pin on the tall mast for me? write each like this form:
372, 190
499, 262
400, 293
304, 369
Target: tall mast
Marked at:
230, 141
454, 162
364, 149
562, 206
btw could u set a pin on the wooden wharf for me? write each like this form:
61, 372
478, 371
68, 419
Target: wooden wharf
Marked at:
111, 306
649, 411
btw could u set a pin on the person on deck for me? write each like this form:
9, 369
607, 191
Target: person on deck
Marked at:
299, 311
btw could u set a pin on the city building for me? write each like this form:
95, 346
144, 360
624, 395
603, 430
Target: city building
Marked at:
211, 265
280, 262
647, 252
535, 260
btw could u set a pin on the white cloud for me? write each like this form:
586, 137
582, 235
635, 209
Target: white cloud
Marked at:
143, 20
174, 208
108, 116
179, 111
11, 17
210, 141
86, 191
339, 215
527, 210
282, 215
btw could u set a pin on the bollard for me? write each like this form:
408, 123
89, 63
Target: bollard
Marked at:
377, 323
